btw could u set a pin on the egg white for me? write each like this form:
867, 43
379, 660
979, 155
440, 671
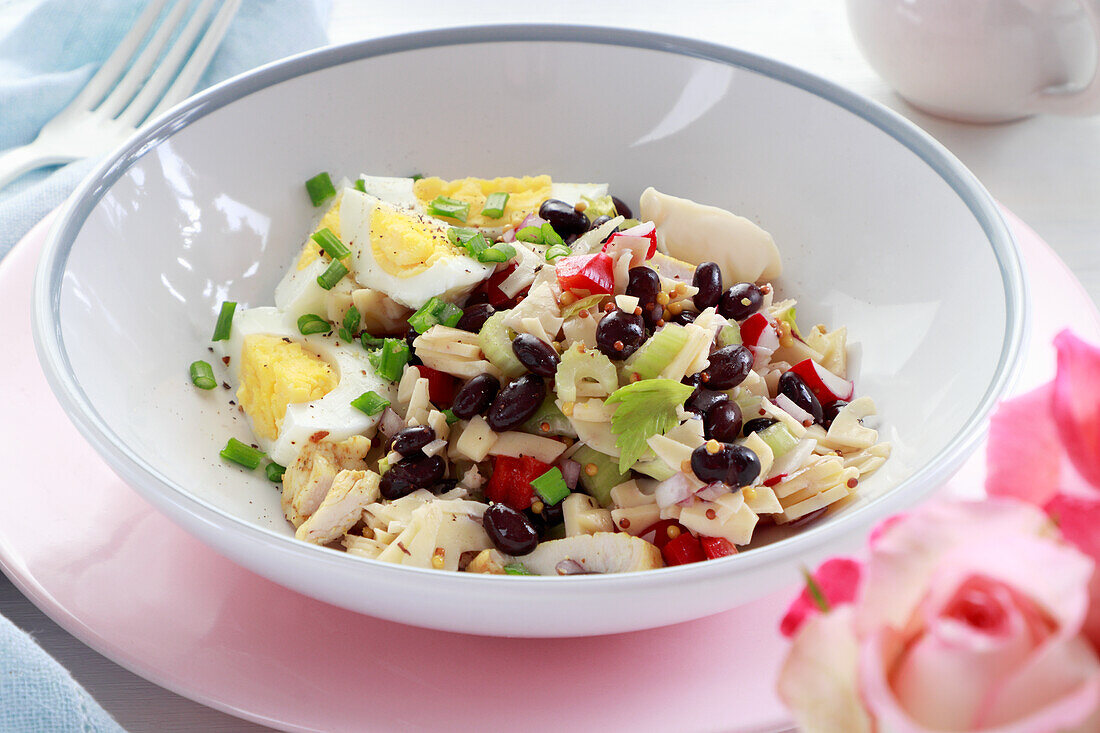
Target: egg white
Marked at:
332, 413
451, 275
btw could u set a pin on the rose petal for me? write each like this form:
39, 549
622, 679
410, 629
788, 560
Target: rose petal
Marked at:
818, 679
1024, 454
1079, 520
838, 579
1076, 404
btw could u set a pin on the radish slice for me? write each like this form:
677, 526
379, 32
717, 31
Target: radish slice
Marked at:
757, 331
825, 385
788, 405
645, 233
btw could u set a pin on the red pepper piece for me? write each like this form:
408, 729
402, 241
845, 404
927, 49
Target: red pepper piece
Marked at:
660, 531
510, 483
494, 296
682, 549
592, 273
647, 230
716, 547
442, 387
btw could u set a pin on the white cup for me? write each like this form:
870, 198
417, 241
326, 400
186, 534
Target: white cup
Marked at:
984, 60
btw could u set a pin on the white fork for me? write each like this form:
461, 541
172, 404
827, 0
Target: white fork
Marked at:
95, 121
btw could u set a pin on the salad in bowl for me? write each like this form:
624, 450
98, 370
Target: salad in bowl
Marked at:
517, 376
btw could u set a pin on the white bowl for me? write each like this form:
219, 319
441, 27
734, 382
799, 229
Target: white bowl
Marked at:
880, 228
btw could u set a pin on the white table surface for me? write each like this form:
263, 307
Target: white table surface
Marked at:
1046, 169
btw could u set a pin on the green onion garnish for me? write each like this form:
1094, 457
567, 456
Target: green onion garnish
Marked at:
225, 321
551, 486
332, 275
370, 342
452, 418
461, 235
449, 315
320, 188
274, 472
416, 176
331, 244
360, 186
433, 312
500, 252
202, 375
313, 323
558, 250
494, 205
245, 455
549, 236
371, 403
352, 319
531, 235
446, 206
516, 568
393, 358
476, 244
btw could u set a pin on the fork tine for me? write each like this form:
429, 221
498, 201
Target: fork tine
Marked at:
137, 110
139, 71
98, 86
193, 69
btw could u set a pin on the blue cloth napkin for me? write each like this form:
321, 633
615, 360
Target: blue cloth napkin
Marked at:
57, 47
45, 59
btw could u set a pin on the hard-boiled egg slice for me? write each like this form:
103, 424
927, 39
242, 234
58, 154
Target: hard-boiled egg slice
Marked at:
296, 388
404, 254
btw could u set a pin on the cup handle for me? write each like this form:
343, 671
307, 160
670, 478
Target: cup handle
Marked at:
1083, 101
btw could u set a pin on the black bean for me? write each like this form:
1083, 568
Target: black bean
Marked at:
799, 393
442, 487
830, 411
565, 219
722, 422
509, 530
543, 521
538, 356
708, 278
643, 283
405, 477
735, 465
475, 396
757, 424
702, 399
741, 301
684, 317
516, 403
619, 334
599, 221
474, 317
411, 440
729, 366
410, 336
693, 380
621, 208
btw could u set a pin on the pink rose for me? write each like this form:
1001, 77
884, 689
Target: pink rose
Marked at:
969, 617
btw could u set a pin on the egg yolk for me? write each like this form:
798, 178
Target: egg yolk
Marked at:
524, 196
276, 373
405, 244
310, 251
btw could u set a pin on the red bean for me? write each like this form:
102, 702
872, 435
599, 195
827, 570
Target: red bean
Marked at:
538, 356
509, 530
475, 396
516, 403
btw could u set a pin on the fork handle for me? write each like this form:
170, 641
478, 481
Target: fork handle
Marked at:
18, 161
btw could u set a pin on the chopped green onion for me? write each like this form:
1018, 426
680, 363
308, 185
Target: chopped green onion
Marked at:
383, 466
393, 358
320, 188
202, 375
475, 245
558, 250
370, 342
549, 235
461, 235
551, 486
452, 418
313, 323
225, 321
352, 319
494, 205
274, 472
245, 455
416, 176
531, 235
500, 252
371, 403
345, 335
360, 186
432, 312
332, 275
516, 568
331, 244
446, 206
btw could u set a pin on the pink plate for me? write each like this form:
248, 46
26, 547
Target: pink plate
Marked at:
121, 577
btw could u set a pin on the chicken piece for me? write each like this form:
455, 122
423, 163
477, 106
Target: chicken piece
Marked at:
307, 480
603, 552
342, 507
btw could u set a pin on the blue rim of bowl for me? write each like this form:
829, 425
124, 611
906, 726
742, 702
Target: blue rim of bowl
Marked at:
55, 361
